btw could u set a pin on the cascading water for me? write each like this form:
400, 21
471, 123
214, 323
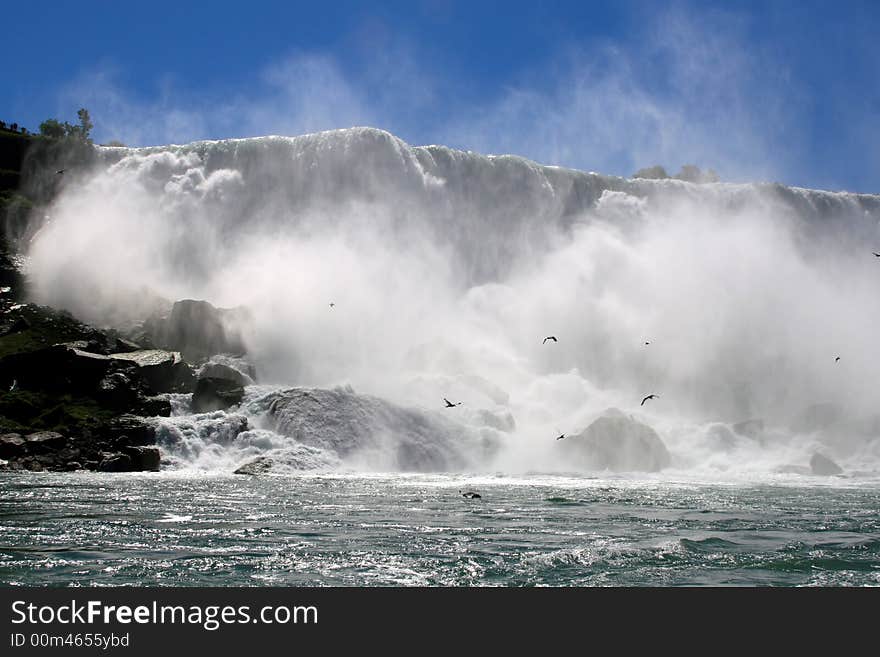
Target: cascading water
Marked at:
446, 270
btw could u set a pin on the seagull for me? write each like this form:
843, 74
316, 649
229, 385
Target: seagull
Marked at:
647, 398
876, 254
14, 385
471, 495
560, 436
60, 171
837, 359
550, 337
449, 404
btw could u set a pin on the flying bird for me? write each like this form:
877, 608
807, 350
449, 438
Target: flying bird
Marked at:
14, 385
837, 359
550, 337
332, 304
60, 171
647, 343
471, 495
560, 436
647, 398
449, 404
876, 254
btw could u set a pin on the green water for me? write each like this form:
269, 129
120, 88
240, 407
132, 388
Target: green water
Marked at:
400, 530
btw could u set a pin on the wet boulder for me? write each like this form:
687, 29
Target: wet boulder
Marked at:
823, 466
143, 458
164, 371
198, 330
619, 443
116, 390
260, 465
44, 441
115, 463
12, 445
216, 394
753, 429
377, 433
128, 430
58, 368
225, 372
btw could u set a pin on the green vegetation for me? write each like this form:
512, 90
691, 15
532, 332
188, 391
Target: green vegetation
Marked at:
54, 129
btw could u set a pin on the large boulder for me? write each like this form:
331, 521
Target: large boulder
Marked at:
58, 368
128, 430
115, 463
753, 429
376, 433
43, 441
225, 372
198, 330
12, 444
619, 443
260, 465
824, 466
164, 371
216, 394
143, 458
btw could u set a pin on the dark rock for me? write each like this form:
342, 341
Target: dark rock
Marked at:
44, 440
117, 391
753, 429
216, 394
153, 407
67, 454
12, 445
618, 442
72, 466
16, 325
128, 430
57, 368
164, 371
115, 463
143, 458
824, 466
198, 330
260, 465
225, 372
347, 425
123, 346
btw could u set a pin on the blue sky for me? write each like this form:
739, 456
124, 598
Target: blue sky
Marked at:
784, 91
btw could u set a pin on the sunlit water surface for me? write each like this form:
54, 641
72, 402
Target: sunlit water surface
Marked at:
177, 528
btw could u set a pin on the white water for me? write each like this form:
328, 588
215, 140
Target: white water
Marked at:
447, 270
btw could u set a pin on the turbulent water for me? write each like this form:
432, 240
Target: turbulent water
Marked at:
380, 279
392, 529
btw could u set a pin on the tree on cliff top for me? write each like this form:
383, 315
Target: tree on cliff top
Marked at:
85, 123
54, 129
